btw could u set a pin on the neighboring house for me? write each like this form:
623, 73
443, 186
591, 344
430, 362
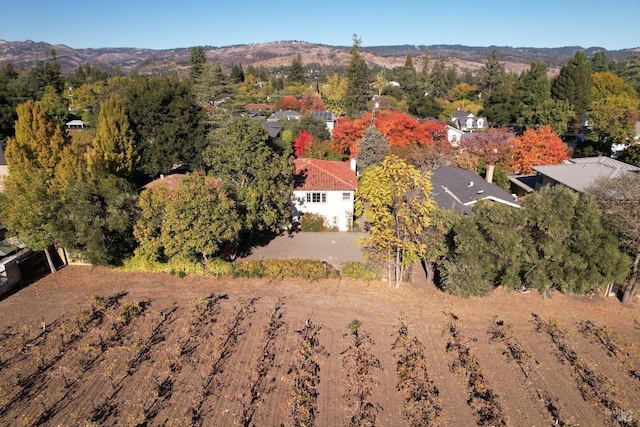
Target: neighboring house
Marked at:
272, 128
467, 122
459, 189
580, 173
325, 188
285, 115
328, 117
454, 135
75, 124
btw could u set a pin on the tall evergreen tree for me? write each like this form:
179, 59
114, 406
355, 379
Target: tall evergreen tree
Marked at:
573, 84
372, 149
357, 73
197, 61
492, 75
168, 125
237, 73
296, 71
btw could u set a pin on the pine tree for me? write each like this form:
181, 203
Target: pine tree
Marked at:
197, 61
296, 71
357, 73
573, 84
492, 75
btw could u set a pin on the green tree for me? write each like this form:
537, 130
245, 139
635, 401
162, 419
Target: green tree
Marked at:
619, 198
399, 211
95, 220
258, 179
599, 62
113, 150
572, 251
614, 108
310, 123
357, 74
197, 61
296, 71
8, 100
573, 84
501, 107
237, 73
492, 75
167, 123
557, 240
372, 148
55, 107
199, 220
28, 205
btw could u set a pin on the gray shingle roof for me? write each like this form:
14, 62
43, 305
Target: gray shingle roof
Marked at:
580, 173
460, 189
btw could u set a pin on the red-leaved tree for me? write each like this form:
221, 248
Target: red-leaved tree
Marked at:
493, 146
539, 146
302, 143
311, 102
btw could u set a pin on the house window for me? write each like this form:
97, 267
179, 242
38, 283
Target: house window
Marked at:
480, 123
346, 196
316, 197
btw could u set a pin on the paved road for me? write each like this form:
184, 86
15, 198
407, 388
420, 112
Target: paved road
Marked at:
335, 248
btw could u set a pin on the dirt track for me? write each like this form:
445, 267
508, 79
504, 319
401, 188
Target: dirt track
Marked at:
215, 374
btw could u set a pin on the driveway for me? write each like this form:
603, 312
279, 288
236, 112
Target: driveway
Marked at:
335, 248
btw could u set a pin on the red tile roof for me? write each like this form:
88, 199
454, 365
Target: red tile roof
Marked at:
314, 174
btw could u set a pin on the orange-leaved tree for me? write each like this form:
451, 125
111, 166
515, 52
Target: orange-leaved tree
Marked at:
288, 102
346, 135
539, 146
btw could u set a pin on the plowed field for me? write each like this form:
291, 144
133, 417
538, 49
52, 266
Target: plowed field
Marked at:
92, 346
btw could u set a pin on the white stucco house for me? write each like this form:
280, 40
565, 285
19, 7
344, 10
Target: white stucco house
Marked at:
325, 188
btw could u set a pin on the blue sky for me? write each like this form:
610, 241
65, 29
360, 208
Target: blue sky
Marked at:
159, 24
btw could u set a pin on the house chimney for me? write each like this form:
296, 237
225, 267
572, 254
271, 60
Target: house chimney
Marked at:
489, 173
352, 164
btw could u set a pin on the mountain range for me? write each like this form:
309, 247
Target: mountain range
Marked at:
281, 54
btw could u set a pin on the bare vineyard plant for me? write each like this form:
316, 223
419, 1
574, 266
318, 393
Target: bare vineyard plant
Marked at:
625, 353
503, 333
225, 347
594, 386
422, 405
482, 399
43, 352
265, 364
360, 365
306, 375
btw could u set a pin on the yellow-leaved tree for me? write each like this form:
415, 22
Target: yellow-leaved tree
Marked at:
399, 208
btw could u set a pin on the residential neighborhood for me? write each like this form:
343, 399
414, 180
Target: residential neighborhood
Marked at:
436, 240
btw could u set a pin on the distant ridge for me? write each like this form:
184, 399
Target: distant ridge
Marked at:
281, 53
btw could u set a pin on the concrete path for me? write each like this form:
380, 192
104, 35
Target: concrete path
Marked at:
335, 248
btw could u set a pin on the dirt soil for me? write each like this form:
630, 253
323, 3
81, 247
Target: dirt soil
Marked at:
162, 350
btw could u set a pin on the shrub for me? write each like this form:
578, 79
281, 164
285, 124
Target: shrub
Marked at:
314, 223
358, 270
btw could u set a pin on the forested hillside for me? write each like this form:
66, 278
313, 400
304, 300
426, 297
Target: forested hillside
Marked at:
281, 53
